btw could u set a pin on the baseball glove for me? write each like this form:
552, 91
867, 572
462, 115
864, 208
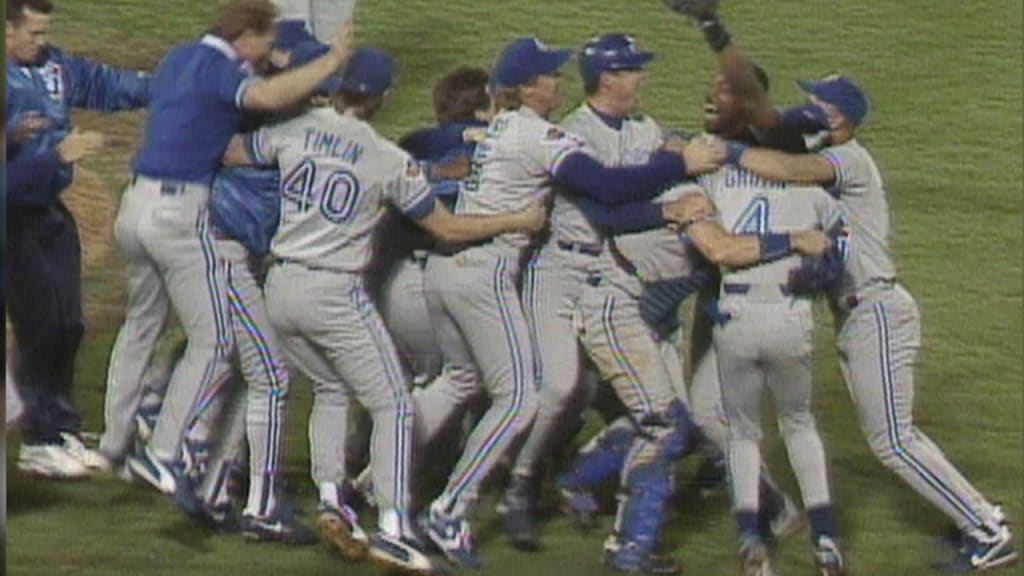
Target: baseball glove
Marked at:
697, 9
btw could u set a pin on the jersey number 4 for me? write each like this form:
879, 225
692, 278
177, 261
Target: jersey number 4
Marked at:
754, 219
336, 197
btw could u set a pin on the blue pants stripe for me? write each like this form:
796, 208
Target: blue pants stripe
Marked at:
901, 452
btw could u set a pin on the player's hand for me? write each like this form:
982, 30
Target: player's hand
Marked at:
79, 145
28, 126
344, 43
687, 209
704, 155
535, 217
809, 242
475, 134
675, 144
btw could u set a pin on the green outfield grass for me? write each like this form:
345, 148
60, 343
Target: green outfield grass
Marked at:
945, 82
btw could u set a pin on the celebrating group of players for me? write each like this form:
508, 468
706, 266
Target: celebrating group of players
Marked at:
284, 231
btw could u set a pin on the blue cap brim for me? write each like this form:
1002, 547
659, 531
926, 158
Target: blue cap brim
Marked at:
634, 61
333, 84
808, 86
553, 60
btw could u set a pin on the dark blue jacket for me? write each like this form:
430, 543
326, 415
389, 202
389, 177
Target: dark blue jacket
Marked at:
51, 89
245, 204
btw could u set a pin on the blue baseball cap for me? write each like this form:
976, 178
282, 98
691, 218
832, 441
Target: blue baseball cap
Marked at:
305, 52
369, 71
524, 59
609, 53
289, 33
840, 92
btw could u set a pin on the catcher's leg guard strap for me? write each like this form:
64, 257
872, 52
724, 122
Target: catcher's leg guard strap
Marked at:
602, 458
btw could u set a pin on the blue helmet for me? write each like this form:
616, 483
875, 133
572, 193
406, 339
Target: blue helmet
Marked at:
611, 52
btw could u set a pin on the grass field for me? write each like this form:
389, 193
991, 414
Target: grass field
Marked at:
946, 84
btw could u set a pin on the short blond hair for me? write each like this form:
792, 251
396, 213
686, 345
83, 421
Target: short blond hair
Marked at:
234, 17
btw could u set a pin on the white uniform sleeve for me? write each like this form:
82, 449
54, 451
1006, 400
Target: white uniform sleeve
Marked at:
546, 145
848, 163
409, 190
265, 144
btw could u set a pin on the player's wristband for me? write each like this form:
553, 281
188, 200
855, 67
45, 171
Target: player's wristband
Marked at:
774, 246
715, 34
734, 151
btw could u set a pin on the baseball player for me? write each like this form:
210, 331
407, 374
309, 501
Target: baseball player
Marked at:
339, 175
461, 104
200, 92
760, 300
878, 325
471, 289
557, 277
320, 17
42, 265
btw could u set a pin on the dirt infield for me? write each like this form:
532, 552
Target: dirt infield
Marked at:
94, 208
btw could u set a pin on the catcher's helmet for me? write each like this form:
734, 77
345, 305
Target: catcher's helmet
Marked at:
611, 52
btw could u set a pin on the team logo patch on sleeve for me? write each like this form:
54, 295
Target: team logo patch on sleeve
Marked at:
554, 134
412, 169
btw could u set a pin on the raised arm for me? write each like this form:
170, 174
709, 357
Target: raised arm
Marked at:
293, 86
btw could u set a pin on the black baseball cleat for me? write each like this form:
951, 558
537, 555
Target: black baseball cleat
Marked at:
519, 523
281, 526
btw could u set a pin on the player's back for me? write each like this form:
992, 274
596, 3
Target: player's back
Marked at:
749, 204
861, 192
661, 253
337, 174
512, 165
630, 144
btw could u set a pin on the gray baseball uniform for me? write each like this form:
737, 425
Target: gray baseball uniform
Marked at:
323, 16
473, 300
768, 342
557, 277
163, 231
879, 334
338, 174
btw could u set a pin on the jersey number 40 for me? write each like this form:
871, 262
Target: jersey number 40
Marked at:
336, 197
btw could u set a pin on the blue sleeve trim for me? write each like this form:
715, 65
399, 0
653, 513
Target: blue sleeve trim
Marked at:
423, 208
584, 175
624, 218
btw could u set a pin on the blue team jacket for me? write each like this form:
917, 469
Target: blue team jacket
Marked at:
52, 88
245, 204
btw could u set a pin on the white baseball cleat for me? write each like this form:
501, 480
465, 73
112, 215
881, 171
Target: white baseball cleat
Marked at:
50, 461
91, 459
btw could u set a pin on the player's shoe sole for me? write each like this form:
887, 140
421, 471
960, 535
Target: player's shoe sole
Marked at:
396, 554
343, 533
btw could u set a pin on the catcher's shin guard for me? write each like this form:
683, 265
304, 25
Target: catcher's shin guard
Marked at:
602, 458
